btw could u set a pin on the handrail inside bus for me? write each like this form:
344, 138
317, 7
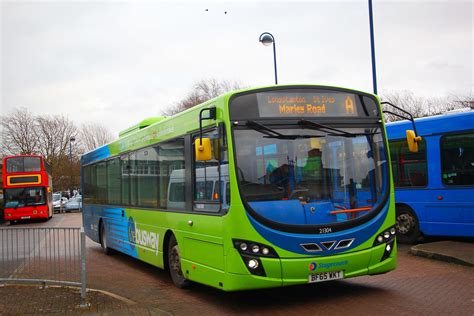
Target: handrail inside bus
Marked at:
352, 210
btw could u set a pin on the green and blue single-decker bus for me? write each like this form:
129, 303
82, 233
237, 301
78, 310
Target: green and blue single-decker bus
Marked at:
257, 188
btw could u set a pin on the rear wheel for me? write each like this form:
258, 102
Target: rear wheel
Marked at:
408, 229
103, 239
174, 264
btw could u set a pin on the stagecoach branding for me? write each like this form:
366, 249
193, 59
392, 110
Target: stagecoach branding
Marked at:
142, 237
313, 265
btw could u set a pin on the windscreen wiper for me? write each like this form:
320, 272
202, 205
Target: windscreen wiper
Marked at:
329, 130
269, 133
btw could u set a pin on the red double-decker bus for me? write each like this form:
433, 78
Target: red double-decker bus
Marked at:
27, 186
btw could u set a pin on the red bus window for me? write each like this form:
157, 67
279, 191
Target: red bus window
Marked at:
23, 164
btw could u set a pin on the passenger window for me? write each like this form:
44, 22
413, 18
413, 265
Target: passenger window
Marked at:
409, 169
113, 181
457, 159
147, 177
171, 178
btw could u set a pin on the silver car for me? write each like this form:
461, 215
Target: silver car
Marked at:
74, 203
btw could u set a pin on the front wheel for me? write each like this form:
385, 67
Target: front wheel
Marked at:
408, 230
174, 264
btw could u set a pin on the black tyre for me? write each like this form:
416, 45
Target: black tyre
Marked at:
174, 265
103, 240
408, 229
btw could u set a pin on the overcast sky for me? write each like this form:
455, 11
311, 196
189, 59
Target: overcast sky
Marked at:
117, 63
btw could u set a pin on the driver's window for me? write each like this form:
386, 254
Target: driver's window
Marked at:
210, 177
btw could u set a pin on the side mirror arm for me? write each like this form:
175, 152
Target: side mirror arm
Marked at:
211, 116
407, 117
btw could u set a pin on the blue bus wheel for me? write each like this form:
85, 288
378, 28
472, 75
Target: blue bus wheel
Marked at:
408, 230
103, 240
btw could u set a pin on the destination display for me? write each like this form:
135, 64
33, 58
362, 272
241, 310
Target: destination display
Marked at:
18, 180
306, 104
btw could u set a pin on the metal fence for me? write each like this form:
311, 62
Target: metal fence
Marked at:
47, 255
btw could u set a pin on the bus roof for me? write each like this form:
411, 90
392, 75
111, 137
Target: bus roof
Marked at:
431, 125
22, 155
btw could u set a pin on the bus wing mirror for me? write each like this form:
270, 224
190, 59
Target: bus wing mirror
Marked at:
413, 141
202, 149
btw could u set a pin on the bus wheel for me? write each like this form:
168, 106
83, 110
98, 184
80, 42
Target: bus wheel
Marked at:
103, 240
174, 264
408, 230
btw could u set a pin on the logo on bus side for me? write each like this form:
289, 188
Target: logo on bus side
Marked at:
137, 236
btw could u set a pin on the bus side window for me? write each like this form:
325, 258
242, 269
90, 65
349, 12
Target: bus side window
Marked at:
457, 159
409, 169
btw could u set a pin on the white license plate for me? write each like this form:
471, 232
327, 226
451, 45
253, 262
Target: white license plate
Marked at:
325, 276
25, 217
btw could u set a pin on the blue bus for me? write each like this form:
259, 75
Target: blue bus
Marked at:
434, 187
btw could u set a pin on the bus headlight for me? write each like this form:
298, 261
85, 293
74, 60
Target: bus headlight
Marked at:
253, 264
255, 248
388, 250
386, 237
247, 247
251, 252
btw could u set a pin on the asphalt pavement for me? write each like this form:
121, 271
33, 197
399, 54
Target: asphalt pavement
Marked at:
123, 285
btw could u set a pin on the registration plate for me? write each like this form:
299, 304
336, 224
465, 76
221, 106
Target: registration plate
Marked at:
325, 276
25, 217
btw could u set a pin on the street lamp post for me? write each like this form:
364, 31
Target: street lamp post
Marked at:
372, 47
72, 139
267, 39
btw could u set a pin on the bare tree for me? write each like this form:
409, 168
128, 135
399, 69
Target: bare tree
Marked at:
202, 91
54, 134
93, 135
421, 106
18, 133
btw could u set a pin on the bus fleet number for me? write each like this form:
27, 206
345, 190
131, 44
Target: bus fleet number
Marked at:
325, 230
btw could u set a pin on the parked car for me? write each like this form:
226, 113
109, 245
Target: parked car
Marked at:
58, 200
74, 203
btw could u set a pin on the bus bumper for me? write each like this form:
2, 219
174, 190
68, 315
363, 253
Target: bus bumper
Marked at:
294, 271
14, 215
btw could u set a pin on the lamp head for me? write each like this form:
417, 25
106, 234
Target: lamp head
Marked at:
266, 39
